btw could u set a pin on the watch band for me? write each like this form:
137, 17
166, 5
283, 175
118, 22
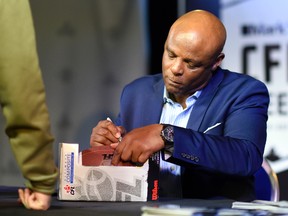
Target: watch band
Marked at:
167, 135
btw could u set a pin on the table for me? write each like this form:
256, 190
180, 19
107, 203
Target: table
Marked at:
10, 206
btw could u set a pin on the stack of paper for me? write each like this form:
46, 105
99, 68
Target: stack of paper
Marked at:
280, 207
173, 210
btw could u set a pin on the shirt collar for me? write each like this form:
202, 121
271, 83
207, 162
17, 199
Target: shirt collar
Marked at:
167, 99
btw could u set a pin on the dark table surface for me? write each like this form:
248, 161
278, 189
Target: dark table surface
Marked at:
10, 206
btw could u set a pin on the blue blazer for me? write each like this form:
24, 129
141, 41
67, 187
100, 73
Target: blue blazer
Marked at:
224, 142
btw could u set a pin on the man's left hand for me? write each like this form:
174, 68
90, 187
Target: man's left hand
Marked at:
138, 145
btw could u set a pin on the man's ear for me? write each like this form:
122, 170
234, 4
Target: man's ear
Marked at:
218, 62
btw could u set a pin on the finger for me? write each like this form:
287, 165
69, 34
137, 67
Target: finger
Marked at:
133, 152
105, 133
117, 154
27, 193
102, 136
129, 155
118, 134
122, 130
114, 145
99, 140
32, 202
143, 158
125, 163
116, 131
21, 196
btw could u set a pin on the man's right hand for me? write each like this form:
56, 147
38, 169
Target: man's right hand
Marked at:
106, 133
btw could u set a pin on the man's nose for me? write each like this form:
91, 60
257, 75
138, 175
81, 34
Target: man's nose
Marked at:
177, 67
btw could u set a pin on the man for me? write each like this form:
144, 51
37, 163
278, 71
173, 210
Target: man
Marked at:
218, 117
22, 98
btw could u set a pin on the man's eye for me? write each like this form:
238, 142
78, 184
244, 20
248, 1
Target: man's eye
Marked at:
171, 55
192, 66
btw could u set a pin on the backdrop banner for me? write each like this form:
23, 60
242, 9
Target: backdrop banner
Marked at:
257, 45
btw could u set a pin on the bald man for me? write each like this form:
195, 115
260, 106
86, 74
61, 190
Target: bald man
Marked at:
211, 121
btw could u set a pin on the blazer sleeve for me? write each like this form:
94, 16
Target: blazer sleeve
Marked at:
232, 135
22, 98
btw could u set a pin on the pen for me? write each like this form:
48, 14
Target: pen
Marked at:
120, 138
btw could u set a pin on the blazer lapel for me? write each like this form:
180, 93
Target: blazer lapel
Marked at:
203, 102
154, 107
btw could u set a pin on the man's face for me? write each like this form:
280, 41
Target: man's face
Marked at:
186, 64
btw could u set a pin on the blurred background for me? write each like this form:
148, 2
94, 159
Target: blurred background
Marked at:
90, 49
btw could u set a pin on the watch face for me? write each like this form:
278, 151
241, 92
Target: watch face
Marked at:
168, 133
